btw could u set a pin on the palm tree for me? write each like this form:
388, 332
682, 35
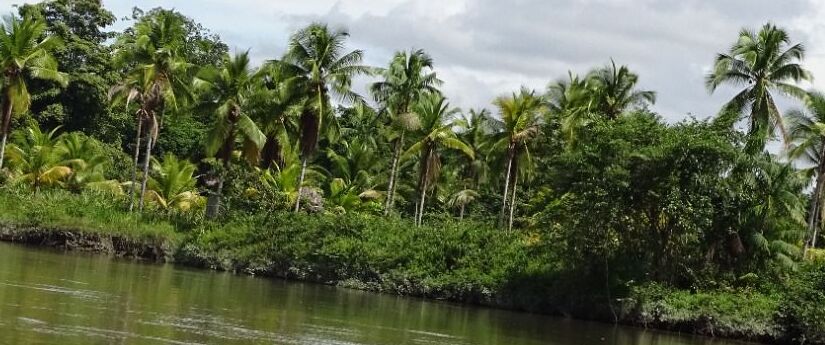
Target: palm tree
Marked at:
765, 63
807, 131
407, 79
360, 124
276, 108
477, 129
172, 184
83, 155
520, 119
23, 52
461, 199
227, 90
318, 53
437, 123
572, 99
614, 90
156, 77
778, 216
35, 158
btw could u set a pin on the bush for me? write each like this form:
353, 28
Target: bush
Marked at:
802, 313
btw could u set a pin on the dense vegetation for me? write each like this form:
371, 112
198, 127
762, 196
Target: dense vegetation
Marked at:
574, 199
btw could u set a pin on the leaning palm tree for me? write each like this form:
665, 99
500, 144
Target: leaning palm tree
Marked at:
157, 77
23, 52
765, 62
520, 119
407, 79
614, 90
807, 132
437, 123
227, 90
319, 55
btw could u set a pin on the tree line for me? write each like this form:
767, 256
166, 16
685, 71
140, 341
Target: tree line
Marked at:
584, 164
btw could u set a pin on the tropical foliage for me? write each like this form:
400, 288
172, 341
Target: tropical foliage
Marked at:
584, 174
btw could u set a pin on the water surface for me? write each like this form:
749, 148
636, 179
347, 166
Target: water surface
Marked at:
49, 297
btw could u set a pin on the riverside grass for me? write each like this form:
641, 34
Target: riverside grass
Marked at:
461, 262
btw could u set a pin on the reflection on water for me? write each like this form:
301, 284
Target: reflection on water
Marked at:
57, 298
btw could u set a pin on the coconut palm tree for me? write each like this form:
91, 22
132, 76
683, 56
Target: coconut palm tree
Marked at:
477, 129
572, 99
777, 219
408, 78
35, 158
172, 184
461, 199
83, 155
227, 90
157, 77
276, 108
437, 120
765, 63
520, 120
613, 90
807, 132
23, 52
319, 54
360, 124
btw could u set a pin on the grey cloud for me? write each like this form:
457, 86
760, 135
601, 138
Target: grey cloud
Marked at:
667, 42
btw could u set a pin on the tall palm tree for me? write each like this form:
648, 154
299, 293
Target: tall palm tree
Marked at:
572, 99
23, 52
520, 119
765, 63
319, 54
807, 131
407, 79
227, 89
437, 123
477, 129
156, 77
276, 108
614, 90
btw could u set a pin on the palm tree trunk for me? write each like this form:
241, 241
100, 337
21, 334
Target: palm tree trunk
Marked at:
423, 184
147, 158
300, 184
4, 127
506, 185
421, 213
393, 172
513, 202
213, 203
816, 199
134, 168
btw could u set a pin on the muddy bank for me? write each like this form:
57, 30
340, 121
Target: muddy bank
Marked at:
76, 240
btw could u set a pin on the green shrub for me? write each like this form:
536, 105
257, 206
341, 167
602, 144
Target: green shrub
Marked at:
802, 313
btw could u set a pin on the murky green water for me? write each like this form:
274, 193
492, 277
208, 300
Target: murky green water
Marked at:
63, 298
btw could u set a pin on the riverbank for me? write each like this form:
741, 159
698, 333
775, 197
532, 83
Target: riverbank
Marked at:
466, 263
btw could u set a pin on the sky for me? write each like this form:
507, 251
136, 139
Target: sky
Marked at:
486, 48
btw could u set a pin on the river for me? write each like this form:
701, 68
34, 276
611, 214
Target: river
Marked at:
50, 297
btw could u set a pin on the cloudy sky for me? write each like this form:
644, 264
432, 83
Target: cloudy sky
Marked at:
484, 48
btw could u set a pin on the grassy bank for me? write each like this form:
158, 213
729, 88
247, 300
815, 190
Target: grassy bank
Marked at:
463, 262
